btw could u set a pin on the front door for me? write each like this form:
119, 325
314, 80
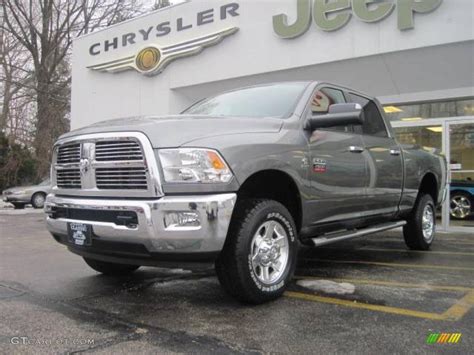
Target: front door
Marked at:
337, 166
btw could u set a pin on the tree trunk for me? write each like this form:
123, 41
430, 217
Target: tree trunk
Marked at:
45, 120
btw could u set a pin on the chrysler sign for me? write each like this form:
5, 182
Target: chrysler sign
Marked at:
153, 57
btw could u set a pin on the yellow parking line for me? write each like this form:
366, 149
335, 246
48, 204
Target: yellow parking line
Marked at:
422, 266
403, 250
390, 283
457, 241
460, 308
454, 313
372, 307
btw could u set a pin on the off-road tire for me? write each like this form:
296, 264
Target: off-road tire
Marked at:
413, 230
111, 269
234, 267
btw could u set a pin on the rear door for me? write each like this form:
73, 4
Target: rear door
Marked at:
337, 166
384, 159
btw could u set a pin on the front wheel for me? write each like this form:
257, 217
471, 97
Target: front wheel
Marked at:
419, 232
37, 200
259, 256
112, 269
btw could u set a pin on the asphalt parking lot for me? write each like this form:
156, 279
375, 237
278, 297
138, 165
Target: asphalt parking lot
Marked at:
366, 296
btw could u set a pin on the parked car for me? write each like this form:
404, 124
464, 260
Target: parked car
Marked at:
21, 196
461, 199
240, 180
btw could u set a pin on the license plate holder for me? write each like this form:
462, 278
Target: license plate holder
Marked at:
79, 233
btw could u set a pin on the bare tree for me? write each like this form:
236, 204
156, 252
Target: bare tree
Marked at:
158, 4
16, 77
44, 29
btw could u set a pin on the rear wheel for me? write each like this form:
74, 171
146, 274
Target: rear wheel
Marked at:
419, 232
259, 256
37, 200
110, 268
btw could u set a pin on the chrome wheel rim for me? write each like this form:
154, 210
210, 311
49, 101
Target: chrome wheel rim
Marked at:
269, 252
460, 207
39, 200
428, 223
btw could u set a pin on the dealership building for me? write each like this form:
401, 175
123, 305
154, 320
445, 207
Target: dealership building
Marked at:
415, 56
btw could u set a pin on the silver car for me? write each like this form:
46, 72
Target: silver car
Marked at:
24, 195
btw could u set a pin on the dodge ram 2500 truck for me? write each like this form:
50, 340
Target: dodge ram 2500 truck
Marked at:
240, 180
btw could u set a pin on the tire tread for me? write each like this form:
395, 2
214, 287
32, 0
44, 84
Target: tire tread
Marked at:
412, 231
231, 276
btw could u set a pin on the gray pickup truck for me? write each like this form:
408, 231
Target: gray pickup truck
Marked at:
240, 180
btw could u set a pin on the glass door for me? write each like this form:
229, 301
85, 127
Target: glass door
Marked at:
461, 174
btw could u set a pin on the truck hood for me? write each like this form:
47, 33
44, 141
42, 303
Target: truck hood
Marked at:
176, 130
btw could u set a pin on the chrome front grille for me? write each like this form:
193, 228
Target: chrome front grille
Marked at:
121, 178
69, 153
106, 164
118, 150
68, 178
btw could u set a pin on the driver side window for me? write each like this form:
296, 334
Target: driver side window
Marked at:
322, 99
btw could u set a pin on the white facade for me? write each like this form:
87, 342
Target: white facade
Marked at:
434, 60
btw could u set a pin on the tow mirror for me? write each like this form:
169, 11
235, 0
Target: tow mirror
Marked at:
338, 115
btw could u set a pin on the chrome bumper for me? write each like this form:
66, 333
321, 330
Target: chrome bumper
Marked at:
207, 236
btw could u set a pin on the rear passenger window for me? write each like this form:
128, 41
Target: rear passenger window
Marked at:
324, 98
373, 120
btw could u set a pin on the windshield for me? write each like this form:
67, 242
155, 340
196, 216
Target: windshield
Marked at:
45, 182
276, 100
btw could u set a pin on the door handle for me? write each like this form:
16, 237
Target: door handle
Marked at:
394, 152
355, 149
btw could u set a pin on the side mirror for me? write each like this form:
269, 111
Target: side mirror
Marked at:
338, 115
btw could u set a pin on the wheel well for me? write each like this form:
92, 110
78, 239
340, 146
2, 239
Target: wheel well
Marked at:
275, 185
429, 185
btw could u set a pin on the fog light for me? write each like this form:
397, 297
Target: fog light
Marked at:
48, 209
178, 219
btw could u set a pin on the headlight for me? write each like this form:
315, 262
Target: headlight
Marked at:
194, 165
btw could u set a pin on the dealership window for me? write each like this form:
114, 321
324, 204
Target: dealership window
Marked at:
448, 127
425, 110
429, 137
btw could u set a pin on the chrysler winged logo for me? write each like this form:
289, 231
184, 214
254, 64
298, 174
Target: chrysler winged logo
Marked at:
153, 59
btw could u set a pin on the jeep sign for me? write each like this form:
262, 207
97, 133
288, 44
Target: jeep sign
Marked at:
333, 15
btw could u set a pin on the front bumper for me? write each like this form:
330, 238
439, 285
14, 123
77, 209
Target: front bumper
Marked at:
25, 198
149, 237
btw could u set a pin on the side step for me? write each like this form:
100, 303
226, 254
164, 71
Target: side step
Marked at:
338, 237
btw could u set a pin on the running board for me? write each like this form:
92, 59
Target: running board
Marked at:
338, 237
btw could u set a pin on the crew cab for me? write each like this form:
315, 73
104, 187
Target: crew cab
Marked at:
240, 180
